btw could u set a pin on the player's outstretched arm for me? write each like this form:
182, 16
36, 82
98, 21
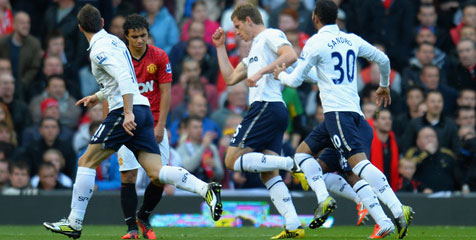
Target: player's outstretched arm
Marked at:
231, 75
287, 56
89, 101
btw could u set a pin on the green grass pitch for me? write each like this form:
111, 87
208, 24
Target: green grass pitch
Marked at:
245, 233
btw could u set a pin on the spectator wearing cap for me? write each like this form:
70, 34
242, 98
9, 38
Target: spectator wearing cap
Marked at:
49, 108
56, 88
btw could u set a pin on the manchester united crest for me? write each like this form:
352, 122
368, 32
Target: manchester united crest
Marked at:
121, 161
151, 68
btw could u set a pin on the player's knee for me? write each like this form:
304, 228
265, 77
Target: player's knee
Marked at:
230, 162
351, 178
266, 176
84, 161
153, 175
129, 176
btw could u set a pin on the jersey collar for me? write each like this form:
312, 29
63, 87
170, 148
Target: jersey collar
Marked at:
333, 28
143, 55
96, 37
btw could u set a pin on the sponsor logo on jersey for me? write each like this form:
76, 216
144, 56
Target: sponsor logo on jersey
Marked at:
151, 68
168, 69
253, 59
146, 86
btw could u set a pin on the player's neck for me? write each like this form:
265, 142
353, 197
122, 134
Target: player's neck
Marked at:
137, 53
258, 29
88, 36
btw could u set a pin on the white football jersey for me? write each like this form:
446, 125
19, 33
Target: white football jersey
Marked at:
334, 54
112, 67
264, 51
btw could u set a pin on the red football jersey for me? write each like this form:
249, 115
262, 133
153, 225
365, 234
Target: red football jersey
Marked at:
151, 70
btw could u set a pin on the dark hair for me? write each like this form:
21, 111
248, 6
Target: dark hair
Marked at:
425, 43
291, 12
22, 165
416, 88
469, 3
463, 108
49, 118
47, 165
198, 2
326, 11
54, 76
56, 33
194, 22
186, 121
89, 18
135, 21
429, 66
426, 5
196, 39
380, 110
433, 91
460, 93
247, 10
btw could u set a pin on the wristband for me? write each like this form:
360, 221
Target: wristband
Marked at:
100, 95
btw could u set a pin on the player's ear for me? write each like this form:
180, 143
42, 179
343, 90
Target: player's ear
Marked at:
248, 20
102, 22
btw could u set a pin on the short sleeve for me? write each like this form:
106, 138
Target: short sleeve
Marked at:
276, 39
165, 70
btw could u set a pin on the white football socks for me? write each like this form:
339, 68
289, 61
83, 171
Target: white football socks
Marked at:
339, 186
181, 178
365, 170
282, 200
313, 172
370, 201
258, 162
82, 191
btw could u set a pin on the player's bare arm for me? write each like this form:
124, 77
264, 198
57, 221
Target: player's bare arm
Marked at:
230, 74
129, 123
165, 98
287, 56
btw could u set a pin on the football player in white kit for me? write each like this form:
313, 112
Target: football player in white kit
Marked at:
129, 122
333, 55
257, 142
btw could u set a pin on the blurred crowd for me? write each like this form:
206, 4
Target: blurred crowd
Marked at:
425, 141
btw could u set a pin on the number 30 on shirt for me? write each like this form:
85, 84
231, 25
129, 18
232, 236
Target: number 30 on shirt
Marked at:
349, 66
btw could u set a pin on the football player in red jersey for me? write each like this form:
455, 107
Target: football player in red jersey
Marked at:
154, 76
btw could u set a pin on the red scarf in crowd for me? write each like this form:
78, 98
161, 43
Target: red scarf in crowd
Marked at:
376, 157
